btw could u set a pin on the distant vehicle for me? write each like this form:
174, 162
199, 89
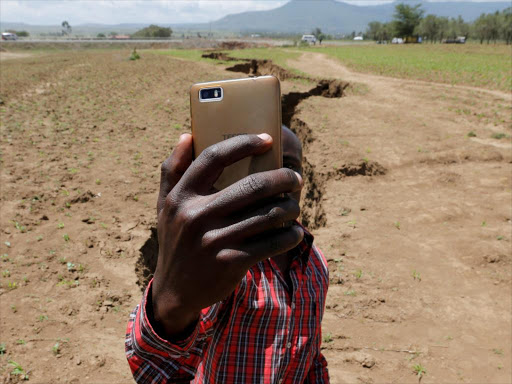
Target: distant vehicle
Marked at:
255, 35
9, 36
397, 40
457, 40
309, 39
358, 38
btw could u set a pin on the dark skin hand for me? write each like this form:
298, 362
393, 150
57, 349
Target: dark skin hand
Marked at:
292, 159
209, 239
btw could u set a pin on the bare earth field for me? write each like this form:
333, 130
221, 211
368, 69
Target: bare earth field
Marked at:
413, 215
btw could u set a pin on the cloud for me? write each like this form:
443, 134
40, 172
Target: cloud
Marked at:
52, 12
44, 12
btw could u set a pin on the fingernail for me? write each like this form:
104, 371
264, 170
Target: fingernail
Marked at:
300, 178
182, 138
265, 137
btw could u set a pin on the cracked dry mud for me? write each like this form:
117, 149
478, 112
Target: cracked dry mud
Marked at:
413, 216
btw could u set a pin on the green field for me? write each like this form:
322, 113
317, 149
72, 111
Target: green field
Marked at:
487, 66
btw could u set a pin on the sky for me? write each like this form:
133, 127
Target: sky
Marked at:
43, 12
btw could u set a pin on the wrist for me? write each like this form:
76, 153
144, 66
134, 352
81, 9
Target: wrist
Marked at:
171, 320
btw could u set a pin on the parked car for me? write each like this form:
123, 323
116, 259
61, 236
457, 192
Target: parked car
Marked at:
358, 38
9, 36
397, 40
311, 39
457, 40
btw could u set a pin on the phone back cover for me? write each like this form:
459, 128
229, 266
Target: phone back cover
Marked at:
249, 106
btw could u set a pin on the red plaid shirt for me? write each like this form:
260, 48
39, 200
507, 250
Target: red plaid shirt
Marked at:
265, 332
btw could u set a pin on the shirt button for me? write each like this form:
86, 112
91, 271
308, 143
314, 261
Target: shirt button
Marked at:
289, 345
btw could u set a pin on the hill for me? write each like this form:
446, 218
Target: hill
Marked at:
298, 16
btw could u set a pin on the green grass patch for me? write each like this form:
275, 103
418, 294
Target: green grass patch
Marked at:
486, 66
187, 54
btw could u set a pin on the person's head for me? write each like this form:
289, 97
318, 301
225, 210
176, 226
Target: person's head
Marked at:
292, 155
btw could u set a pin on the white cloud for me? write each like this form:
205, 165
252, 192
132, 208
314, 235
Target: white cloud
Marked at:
52, 12
44, 12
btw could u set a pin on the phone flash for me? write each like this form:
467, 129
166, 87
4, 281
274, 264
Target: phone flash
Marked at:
216, 93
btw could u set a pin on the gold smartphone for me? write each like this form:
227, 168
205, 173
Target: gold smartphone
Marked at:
223, 109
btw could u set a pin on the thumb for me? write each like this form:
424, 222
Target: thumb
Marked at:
174, 167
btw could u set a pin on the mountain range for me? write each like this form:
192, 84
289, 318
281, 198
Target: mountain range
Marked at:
301, 16
296, 16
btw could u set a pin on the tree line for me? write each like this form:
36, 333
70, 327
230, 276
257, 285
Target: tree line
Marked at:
409, 21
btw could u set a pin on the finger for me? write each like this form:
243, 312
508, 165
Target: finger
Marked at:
261, 248
254, 188
174, 167
272, 216
208, 166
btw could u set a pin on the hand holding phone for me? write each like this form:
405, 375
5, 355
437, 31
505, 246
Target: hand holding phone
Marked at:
209, 239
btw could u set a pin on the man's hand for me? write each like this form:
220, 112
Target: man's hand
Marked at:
208, 239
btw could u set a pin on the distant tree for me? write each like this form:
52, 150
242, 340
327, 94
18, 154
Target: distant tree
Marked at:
374, 30
101, 35
19, 33
463, 28
506, 25
406, 19
444, 24
66, 28
429, 28
487, 27
317, 32
153, 31
353, 34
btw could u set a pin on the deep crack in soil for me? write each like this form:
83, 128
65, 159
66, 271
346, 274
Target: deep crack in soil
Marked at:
313, 215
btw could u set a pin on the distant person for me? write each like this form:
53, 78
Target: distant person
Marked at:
239, 290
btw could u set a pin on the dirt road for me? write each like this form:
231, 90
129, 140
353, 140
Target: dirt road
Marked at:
424, 278
414, 216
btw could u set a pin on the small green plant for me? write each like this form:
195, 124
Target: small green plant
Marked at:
350, 292
498, 351
177, 127
60, 225
8, 244
19, 227
358, 274
499, 237
419, 370
6, 273
327, 338
20, 342
484, 223
345, 211
416, 275
97, 181
498, 136
365, 159
397, 224
71, 267
12, 285
56, 349
18, 370
471, 134
2, 348
42, 318
39, 238
134, 56
14, 309
66, 237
